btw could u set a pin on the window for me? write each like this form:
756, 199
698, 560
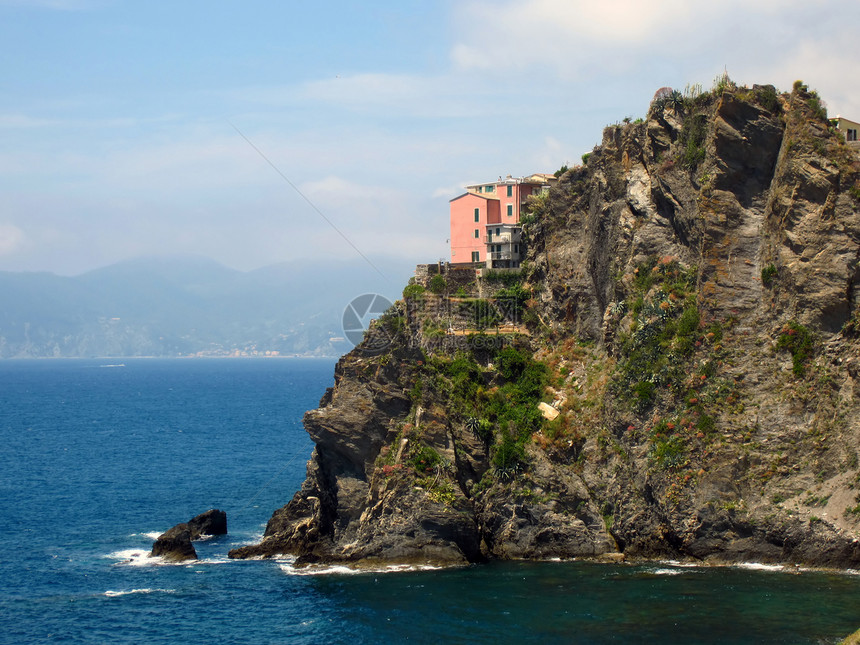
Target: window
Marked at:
498, 231
510, 209
516, 248
510, 191
489, 189
851, 135
477, 214
476, 256
477, 234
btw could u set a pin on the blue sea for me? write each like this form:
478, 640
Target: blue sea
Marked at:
100, 456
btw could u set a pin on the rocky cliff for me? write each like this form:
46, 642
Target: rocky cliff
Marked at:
675, 373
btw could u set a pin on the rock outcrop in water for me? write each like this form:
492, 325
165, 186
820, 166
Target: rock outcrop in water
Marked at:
175, 543
692, 305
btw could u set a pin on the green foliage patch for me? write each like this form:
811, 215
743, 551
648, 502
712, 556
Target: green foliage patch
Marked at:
768, 273
664, 329
424, 459
437, 284
413, 291
507, 278
798, 340
693, 134
499, 405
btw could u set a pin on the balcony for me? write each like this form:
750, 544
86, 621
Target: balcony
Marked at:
504, 238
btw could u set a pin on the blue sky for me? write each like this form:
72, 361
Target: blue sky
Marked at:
118, 119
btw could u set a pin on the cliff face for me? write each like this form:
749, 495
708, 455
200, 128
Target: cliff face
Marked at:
692, 311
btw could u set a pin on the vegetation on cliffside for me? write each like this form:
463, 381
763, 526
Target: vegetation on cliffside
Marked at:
674, 372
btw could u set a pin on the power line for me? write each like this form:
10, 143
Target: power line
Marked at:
310, 203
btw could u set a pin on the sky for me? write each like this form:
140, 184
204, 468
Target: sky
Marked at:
259, 132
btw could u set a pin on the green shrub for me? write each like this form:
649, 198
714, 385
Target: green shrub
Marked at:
507, 278
693, 134
817, 107
797, 339
723, 83
481, 312
509, 457
688, 323
424, 458
413, 291
510, 363
768, 273
668, 452
438, 284
516, 296
643, 393
769, 99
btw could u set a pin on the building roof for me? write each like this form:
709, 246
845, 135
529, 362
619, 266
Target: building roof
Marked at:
470, 194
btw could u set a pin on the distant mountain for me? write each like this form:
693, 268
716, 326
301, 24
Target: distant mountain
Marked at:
179, 306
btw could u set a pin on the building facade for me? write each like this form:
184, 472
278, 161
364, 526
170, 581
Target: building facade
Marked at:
849, 130
485, 220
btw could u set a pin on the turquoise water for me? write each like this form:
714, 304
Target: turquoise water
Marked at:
96, 460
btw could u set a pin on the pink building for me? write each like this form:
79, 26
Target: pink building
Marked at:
485, 220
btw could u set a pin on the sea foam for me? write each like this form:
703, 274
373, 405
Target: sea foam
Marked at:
115, 594
288, 567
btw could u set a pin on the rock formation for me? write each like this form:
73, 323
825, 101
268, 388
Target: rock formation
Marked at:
692, 300
175, 543
212, 522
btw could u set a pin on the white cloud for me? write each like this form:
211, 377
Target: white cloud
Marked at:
11, 238
587, 39
823, 65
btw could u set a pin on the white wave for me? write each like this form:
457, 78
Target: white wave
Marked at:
215, 559
141, 558
151, 535
115, 594
666, 572
758, 566
288, 567
683, 565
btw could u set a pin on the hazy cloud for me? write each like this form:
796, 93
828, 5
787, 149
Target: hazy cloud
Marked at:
591, 39
11, 238
61, 5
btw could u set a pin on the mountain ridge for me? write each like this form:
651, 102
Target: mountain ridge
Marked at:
180, 306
